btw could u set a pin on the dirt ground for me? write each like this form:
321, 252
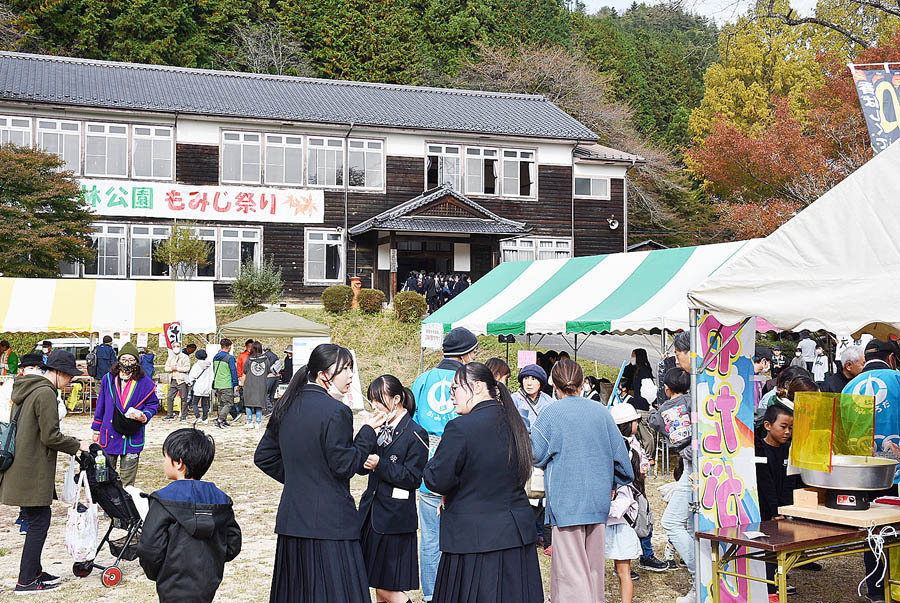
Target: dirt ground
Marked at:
256, 499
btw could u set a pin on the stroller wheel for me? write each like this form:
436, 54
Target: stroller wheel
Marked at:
82, 568
112, 576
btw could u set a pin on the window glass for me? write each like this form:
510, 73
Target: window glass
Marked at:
518, 173
144, 242
241, 157
324, 256
152, 157
365, 161
238, 247
62, 138
284, 159
325, 162
106, 150
443, 167
15, 130
592, 187
481, 171
520, 250
108, 259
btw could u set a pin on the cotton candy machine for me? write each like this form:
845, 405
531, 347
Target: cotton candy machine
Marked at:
851, 480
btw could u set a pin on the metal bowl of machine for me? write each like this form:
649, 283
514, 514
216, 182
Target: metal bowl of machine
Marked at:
853, 473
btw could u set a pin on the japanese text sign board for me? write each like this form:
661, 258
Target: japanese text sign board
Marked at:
727, 470
173, 334
132, 199
433, 336
526, 357
879, 96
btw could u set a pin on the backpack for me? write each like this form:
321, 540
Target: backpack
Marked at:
641, 519
92, 363
8, 441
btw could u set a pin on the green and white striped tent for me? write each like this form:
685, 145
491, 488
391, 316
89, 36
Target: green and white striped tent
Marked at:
638, 292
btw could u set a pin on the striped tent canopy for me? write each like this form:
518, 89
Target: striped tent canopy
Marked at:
38, 305
626, 293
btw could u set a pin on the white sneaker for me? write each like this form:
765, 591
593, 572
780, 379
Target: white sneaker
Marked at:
203, 421
690, 597
259, 426
248, 426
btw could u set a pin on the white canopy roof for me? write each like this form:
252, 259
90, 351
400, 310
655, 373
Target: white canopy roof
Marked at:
834, 266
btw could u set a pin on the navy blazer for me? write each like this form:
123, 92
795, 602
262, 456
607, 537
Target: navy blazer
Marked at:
314, 455
399, 469
485, 508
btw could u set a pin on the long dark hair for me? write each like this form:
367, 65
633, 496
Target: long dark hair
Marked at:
388, 386
641, 360
323, 356
519, 440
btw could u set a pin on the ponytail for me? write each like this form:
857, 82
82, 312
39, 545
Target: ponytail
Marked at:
409, 401
388, 386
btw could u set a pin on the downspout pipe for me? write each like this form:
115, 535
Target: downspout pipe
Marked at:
346, 233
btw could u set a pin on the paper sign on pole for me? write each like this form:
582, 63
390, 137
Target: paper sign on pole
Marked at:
173, 333
143, 339
433, 336
727, 471
124, 337
526, 357
303, 347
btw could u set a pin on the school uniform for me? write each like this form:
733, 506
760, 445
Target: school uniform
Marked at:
314, 454
387, 509
487, 525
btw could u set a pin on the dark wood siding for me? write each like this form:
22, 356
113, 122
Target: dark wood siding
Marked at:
550, 215
197, 164
592, 233
405, 179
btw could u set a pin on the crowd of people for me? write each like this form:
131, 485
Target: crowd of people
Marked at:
450, 506
438, 288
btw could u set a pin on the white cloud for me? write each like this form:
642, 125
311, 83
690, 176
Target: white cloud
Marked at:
720, 10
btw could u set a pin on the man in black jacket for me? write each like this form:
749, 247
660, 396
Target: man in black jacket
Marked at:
190, 530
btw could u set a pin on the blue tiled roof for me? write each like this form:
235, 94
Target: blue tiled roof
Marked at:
82, 82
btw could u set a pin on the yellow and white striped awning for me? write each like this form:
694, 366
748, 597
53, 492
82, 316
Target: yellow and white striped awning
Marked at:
38, 305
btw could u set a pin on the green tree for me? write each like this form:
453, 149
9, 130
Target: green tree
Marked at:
43, 217
183, 251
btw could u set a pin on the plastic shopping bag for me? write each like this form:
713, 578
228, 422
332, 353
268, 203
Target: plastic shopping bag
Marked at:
81, 524
69, 493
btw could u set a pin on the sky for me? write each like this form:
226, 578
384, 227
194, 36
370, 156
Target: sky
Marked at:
720, 10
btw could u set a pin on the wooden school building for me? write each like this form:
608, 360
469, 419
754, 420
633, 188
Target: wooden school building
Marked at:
328, 179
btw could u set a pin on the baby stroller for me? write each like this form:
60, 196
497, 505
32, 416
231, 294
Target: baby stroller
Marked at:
118, 504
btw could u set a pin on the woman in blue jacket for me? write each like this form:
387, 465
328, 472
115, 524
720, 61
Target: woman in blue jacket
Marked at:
487, 526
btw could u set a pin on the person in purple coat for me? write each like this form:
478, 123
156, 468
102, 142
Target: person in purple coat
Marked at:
126, 401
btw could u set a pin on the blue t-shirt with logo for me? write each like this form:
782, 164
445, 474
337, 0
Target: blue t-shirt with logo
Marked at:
884, 385
434, 408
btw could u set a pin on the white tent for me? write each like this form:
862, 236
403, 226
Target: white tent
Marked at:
834, 266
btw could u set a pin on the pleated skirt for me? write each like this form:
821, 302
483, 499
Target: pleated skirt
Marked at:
318, 571
507, 576
392, 560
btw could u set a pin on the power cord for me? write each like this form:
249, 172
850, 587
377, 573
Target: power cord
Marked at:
876, 545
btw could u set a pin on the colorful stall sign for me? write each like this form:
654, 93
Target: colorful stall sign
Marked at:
727, 470
879, 95
131, 199
173, 334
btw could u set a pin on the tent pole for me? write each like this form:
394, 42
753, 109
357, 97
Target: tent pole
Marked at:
576, 347
421, 360
695, 484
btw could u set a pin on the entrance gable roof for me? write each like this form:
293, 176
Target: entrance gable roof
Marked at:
414, 216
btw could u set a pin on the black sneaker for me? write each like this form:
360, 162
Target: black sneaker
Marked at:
169, 418
652, 564
225, 424
671, 565
35, 587
634, 576
47, 578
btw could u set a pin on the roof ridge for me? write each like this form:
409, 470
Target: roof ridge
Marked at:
252, 75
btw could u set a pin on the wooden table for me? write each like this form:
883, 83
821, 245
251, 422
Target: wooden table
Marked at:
789, 543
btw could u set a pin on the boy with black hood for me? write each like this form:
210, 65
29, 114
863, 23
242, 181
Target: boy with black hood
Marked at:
190, 530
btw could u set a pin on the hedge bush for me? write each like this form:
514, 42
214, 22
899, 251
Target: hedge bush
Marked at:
370, 300
337, 298
410, 306
257, 285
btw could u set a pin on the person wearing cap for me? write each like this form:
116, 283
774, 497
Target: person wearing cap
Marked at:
287, 365
126, 401
30, 481
106, 356
434, 409
880, 379
779, 361
46, 348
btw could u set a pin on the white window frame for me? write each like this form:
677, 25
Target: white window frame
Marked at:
101, 230
343, 255
605, 197
153, 137
106, 134
15, 123
154, 233
480, 157
440, 150
79, 268
244, 234
285, 141
58, 131
214, 239
559, 247
242, 142
322, 146
370, 147
518, 159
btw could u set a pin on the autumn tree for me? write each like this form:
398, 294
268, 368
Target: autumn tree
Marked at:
43, 218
